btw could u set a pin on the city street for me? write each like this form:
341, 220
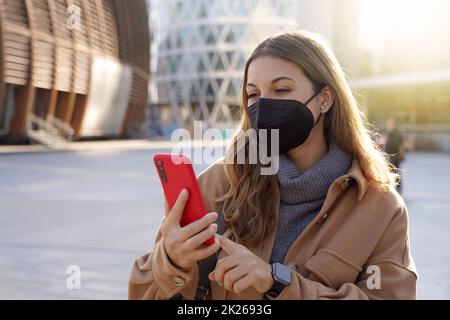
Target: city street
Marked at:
100, 209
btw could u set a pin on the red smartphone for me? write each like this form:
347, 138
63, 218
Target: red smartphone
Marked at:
176, 173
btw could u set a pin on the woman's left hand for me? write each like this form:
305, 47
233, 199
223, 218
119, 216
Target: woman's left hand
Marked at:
241, 269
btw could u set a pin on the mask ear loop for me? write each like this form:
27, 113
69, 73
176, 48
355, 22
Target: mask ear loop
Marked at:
310, 99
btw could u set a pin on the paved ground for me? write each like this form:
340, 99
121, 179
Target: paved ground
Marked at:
427, 195
100, 209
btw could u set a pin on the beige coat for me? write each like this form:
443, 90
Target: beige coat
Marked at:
337, 256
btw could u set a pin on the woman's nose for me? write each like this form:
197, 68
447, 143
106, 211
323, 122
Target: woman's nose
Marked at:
265, 96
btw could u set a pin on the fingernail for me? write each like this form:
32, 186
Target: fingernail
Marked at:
213, 216
214, 227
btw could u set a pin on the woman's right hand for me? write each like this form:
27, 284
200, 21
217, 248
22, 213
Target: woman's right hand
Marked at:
184, 245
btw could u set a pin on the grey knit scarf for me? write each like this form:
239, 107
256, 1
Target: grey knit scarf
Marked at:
303, 194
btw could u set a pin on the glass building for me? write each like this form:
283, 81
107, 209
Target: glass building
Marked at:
200, 49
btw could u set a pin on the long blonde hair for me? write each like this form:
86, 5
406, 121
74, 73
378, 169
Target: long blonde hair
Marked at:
250, 204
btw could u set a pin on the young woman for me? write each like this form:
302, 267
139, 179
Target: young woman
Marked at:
328, 225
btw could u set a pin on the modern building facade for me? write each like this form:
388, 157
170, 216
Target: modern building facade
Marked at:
201, 47
73, 68
397, 57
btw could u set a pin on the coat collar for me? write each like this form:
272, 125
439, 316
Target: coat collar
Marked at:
355, 173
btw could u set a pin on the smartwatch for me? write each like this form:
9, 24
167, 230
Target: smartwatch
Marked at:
281, 278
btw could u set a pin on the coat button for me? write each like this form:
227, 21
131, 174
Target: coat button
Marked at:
345, 183
178, 281
323, 218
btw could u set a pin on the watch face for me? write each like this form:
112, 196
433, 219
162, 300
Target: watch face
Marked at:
282, 273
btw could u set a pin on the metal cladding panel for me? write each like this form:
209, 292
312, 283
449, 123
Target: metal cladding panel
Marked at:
108, 99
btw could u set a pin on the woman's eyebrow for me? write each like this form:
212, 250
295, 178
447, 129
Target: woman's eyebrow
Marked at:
273, 81
281, 78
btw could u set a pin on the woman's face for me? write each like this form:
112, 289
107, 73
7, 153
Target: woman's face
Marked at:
276, 78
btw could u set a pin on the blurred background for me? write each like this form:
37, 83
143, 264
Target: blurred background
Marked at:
91, 89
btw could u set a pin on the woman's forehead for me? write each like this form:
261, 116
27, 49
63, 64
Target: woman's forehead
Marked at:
266, 68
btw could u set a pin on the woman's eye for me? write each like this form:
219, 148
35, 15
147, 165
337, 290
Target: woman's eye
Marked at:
251, 95
280, 91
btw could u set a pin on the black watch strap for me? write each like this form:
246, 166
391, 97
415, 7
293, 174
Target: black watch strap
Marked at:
281, 278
